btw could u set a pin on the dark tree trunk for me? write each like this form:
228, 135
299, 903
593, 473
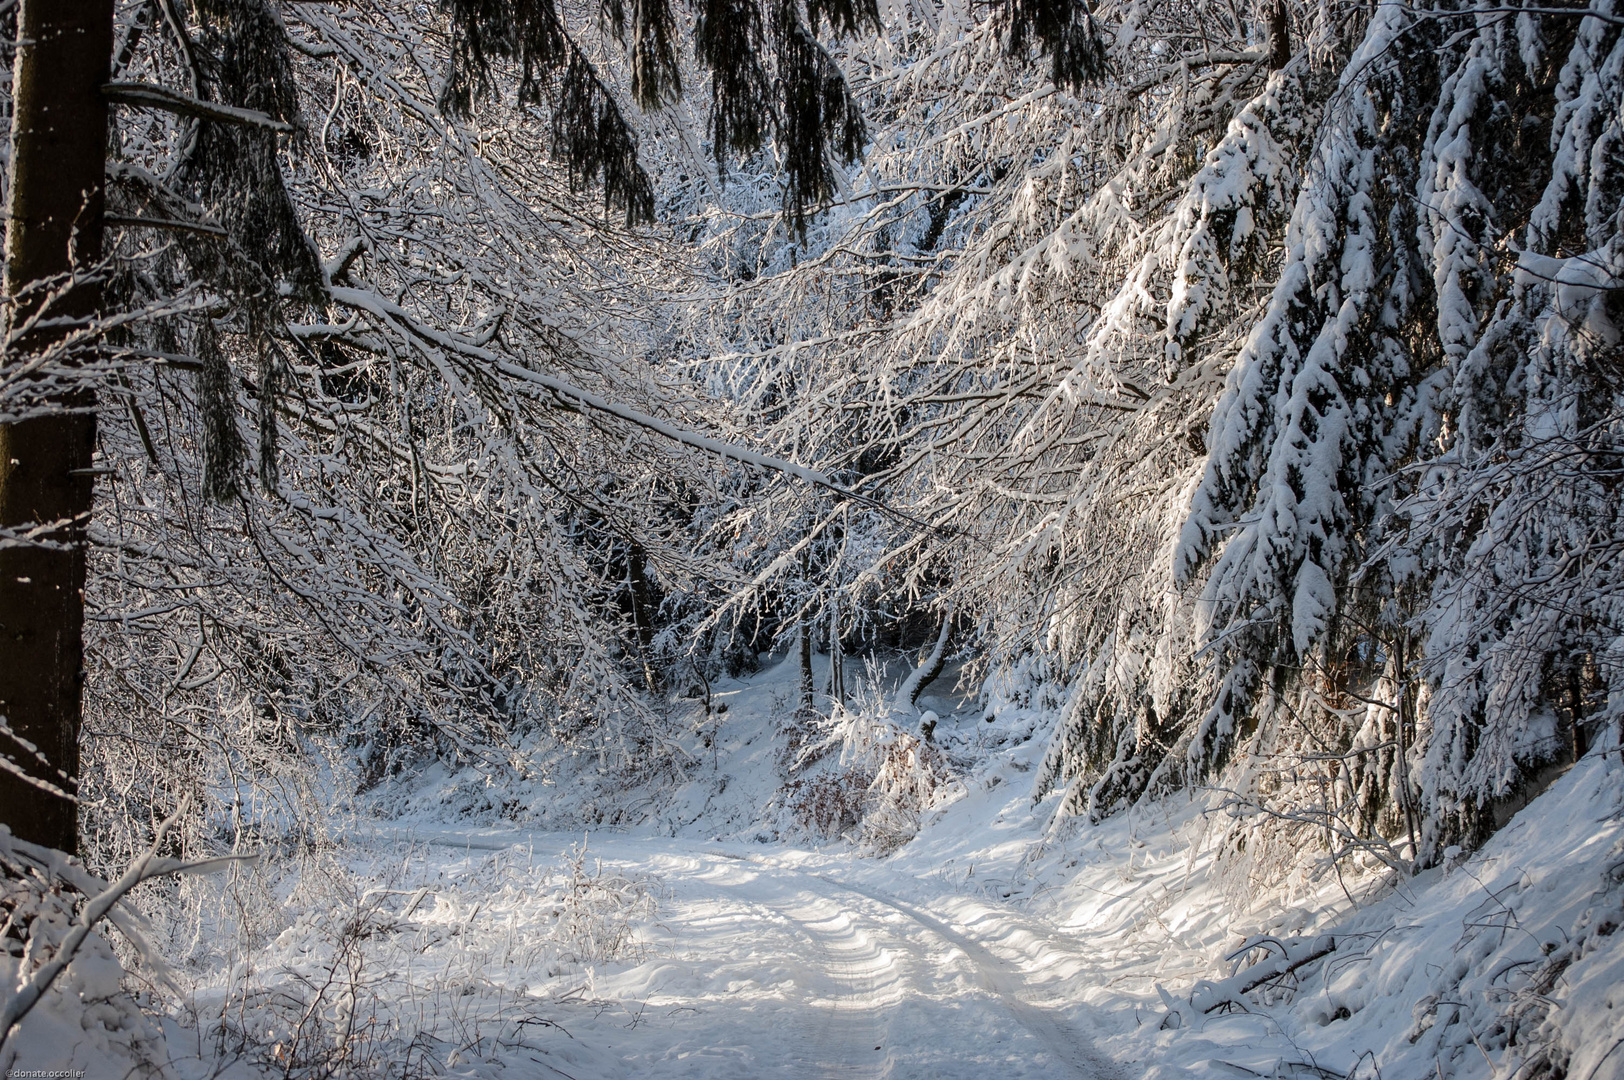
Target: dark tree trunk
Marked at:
1279, 36
645, 608
929, 667
805, 706
58, 168
837, 656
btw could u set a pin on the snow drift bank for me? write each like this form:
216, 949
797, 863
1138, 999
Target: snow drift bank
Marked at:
1219, 952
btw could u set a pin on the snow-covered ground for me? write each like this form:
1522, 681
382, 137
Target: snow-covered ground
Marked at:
710, 939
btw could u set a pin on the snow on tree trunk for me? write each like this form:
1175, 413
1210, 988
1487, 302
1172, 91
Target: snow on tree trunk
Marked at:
907, 695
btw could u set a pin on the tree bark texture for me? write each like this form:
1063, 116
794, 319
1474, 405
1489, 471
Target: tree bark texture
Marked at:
1279, 36
53, 235
645, 610
837, 656
805, 706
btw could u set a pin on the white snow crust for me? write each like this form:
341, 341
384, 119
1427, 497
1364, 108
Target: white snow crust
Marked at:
698, 932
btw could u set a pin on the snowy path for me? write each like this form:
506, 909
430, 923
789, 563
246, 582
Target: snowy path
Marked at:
760, 969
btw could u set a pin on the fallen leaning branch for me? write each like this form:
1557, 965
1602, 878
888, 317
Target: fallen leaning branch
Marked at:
150, 96
17, 1004
1285, 957
570, 396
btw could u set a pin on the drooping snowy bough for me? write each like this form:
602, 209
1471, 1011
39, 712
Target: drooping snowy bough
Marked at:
1269, 410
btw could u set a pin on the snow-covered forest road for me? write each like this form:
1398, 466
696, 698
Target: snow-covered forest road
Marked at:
779, 538
757, 967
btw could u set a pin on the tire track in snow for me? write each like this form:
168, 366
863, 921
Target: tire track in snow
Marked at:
850, 1028
835, 1026
851, 1031
845, 1029
851, 1022
995, 975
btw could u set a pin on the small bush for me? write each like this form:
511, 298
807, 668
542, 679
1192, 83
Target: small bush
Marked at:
883, 778
828, 804
599, 911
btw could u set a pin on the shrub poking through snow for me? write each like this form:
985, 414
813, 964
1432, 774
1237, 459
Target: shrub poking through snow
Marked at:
827, 804
883, 777
908, 773
382, 970
598, 910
